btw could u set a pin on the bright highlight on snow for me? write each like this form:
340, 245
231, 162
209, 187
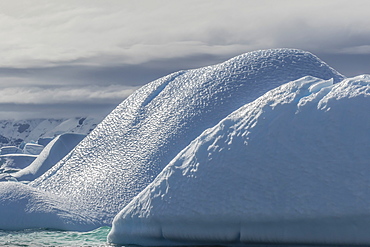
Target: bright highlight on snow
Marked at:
59, 147
270, 146
141, 136
282, 169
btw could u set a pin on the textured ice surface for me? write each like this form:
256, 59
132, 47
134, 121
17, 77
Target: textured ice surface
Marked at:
50, 155
290, 167
23, 207
138, 139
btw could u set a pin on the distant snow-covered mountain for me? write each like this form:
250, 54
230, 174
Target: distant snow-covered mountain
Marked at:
14, 132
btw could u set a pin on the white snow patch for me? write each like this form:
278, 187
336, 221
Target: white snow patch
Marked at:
320, 85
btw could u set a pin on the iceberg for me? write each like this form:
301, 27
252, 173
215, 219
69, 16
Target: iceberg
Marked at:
133, 144
137, 140
58, 148
27, 207
44, 140
290, 167
10, 150
14, 162
32, 148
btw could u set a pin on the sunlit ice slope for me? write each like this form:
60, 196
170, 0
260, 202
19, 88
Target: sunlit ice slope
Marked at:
25, 207
138, 139
290, 167
59, 147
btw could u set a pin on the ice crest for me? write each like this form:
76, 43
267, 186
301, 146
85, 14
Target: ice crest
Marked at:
133, 144
266, 173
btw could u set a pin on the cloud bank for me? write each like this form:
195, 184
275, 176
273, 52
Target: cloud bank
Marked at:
111, 94
47, 33
70, 44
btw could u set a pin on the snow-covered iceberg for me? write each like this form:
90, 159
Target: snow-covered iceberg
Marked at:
24, 207
290, 167
59, 147
32, 148
146, 131
10, 150
15, 162
138, 139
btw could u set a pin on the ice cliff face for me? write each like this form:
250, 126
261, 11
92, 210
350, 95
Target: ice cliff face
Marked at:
141, 136
290, 167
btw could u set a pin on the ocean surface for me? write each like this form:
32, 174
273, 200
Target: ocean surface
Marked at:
42, 237
97, 237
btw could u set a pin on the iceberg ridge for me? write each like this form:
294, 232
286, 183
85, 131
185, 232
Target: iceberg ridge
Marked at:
290, 167
133, 144
138, 139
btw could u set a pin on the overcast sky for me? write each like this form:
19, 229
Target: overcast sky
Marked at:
75, 58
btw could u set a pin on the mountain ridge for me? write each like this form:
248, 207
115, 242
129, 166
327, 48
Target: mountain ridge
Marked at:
16, 132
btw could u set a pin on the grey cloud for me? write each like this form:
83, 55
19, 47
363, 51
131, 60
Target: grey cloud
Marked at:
80, 47
32, 111
348, 64
60, 95
142, 31
120, 74
81, 90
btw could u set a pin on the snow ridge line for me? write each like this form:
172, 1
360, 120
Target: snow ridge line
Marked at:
161, 87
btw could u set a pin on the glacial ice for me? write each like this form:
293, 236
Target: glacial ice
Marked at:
145, 132
59, 147
33, 148
15, 161
10, 150
290, 167
138, 139
24, 207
